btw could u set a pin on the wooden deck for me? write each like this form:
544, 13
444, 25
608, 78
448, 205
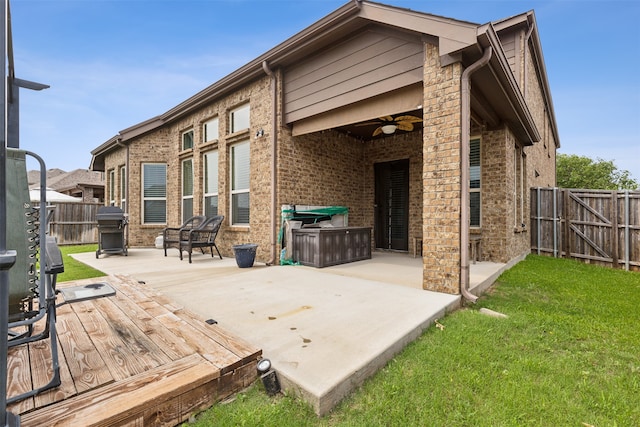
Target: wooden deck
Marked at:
131, 359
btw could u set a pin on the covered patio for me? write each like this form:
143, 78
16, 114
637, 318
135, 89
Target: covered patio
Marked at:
324, 330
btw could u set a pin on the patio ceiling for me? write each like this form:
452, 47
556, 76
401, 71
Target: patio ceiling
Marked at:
364, 130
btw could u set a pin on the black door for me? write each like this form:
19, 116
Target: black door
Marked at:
392, 205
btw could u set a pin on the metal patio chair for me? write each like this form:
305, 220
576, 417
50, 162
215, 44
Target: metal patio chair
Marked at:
171, 236
202, 237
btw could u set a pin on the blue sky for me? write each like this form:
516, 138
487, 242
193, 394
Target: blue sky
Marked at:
114, 63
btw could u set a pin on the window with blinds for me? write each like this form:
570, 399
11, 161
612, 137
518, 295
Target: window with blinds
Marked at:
211, 183
123, 188
239, 118
187, 140
240, 177
112, 187
474, 182
154, 193
187, 189
210, 130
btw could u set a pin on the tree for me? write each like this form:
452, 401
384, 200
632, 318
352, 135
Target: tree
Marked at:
573, 171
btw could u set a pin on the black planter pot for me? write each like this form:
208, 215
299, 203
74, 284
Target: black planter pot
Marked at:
245, 254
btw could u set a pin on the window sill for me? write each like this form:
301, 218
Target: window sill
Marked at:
209, 145
238, 136
239, 228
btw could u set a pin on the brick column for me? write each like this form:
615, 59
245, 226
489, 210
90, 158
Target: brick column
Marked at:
441, 174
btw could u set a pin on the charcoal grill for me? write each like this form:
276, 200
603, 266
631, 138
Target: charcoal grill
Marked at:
112, 222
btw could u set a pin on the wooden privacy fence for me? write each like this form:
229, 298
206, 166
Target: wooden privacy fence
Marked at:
74, 223
595, 226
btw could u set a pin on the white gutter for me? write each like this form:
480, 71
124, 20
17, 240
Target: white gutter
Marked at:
465, 129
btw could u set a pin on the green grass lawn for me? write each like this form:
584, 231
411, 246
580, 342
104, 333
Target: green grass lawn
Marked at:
75, 270
567, 355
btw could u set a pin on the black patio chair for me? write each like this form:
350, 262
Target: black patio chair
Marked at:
202, 237
171, 236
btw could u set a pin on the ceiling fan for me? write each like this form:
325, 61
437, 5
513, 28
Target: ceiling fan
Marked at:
388, 125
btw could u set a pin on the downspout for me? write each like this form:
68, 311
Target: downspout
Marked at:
465, 104
274, 152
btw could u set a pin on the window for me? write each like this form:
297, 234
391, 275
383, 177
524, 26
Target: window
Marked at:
123, 188
210, 130
519, 164
187, 189
154, 193
239, 118
211, 183
112, 187
187, 140
240, 174
474, 182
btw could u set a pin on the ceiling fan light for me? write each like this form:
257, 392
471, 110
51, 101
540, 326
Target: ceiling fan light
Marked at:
388, 129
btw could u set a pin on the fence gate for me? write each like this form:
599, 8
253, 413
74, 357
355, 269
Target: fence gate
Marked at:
595, 226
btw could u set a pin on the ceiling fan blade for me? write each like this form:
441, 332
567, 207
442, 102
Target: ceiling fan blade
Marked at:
378, 131
405, 126
386, 118
410, 119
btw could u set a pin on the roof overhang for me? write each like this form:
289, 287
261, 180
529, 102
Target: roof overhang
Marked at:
496, 95
457, 41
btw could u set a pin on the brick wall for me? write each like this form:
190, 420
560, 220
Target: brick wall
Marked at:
324, 168
164, 145
441, 174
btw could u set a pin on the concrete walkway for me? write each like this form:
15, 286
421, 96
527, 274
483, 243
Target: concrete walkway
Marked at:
325, 330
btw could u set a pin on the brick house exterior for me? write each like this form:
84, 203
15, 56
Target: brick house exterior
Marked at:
309, 100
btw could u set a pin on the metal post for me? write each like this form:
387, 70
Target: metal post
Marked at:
538, 219
555, 222
627, 243
7, 257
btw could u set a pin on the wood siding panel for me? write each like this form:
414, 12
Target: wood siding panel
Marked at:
361, 67
511, 47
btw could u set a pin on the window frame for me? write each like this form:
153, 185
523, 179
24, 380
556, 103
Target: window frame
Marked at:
123, 188
519, 179
238, 191
184, 198
187, 135
205, 182
206, 132
112, 187
474, 190
236, 118
146, 198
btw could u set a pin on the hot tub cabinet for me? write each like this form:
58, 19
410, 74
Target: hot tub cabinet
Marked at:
323, 247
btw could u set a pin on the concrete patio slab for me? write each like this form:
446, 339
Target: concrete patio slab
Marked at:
325, 330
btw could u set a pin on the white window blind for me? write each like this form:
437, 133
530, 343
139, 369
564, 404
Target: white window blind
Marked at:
211, 183
240, 177
187, 189
474, 182
154, 193
210, 130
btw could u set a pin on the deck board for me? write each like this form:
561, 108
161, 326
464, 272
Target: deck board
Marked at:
134, 358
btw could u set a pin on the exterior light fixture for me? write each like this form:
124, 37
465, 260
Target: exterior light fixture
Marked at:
389, 129
268, 377
264, 365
